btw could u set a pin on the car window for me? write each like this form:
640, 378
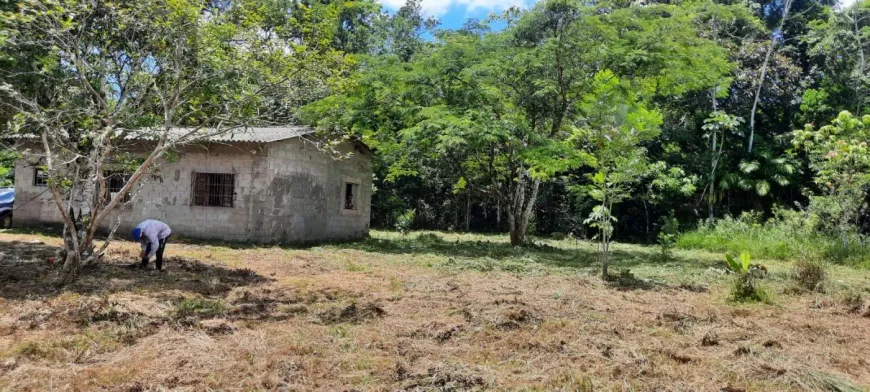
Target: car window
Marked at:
6, 196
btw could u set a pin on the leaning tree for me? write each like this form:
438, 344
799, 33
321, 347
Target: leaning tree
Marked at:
166, 72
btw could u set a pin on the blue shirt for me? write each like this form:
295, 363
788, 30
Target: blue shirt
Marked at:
153, 231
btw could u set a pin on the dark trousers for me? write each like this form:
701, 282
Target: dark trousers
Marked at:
160, 248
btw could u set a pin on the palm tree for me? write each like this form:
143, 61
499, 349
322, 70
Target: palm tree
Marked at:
759, 175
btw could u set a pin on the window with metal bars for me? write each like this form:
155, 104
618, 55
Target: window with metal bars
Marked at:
213, 189
40, 178
350, 195
115, 181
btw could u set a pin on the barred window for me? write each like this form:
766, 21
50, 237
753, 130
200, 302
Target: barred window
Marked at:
115, 181
213, 189
350, 195
40, 178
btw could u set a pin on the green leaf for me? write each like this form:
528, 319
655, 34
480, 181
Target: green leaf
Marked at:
732, 263
762, 188
749, 167
744, 259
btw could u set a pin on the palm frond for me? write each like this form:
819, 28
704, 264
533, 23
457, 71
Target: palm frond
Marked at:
762, 188
749, 166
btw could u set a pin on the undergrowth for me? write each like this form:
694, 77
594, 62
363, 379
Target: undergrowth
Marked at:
789, 235
741, 292
199, 307
746, 286
810, 276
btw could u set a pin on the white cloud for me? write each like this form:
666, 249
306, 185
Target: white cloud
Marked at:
440, 7
847, 3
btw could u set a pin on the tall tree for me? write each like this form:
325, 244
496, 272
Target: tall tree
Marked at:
840, 48
839, 155
172, 72
499, 107
774, 39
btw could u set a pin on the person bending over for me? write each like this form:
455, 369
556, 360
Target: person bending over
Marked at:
152, 235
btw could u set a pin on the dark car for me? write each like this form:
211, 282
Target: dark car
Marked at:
7, 198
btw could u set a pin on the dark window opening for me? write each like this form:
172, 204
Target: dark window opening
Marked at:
350, 194
40, 178
115, 181
213, 189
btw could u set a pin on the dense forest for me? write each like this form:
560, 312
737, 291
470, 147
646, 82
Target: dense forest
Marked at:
612, 117
606, 119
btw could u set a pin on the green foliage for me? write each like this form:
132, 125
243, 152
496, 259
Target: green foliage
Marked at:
667, 237
199, 307
759, 175
88, 77
788, 235
838, 41
840, 157
616, 125
7, 166
745, 287
506, 111
720, 121
741, 265
744, 290
538, 118
405, 221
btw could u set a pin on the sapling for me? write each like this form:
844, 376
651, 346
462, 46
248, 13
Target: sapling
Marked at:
746, 287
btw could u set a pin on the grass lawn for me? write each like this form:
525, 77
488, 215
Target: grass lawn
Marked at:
426, 311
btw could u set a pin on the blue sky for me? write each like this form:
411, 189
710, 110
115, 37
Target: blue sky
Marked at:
453, 13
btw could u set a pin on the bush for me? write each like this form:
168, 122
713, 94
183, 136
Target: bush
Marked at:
810, 275
789, 235
405, 221
667, 238
746, 287
744, 291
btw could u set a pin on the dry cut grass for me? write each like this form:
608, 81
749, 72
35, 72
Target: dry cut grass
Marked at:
435, 312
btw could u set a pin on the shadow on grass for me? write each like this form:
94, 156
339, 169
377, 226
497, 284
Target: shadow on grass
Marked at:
26, 272
461, 254
541, 254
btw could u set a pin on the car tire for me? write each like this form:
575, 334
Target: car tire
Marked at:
6, 221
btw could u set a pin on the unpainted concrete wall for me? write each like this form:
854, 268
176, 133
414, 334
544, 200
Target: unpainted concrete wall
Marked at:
304, 199
285, 192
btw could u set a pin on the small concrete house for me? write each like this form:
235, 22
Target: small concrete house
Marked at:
262, 185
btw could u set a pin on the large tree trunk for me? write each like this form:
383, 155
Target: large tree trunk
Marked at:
83, 205
521, 207
78, 245
468, 212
